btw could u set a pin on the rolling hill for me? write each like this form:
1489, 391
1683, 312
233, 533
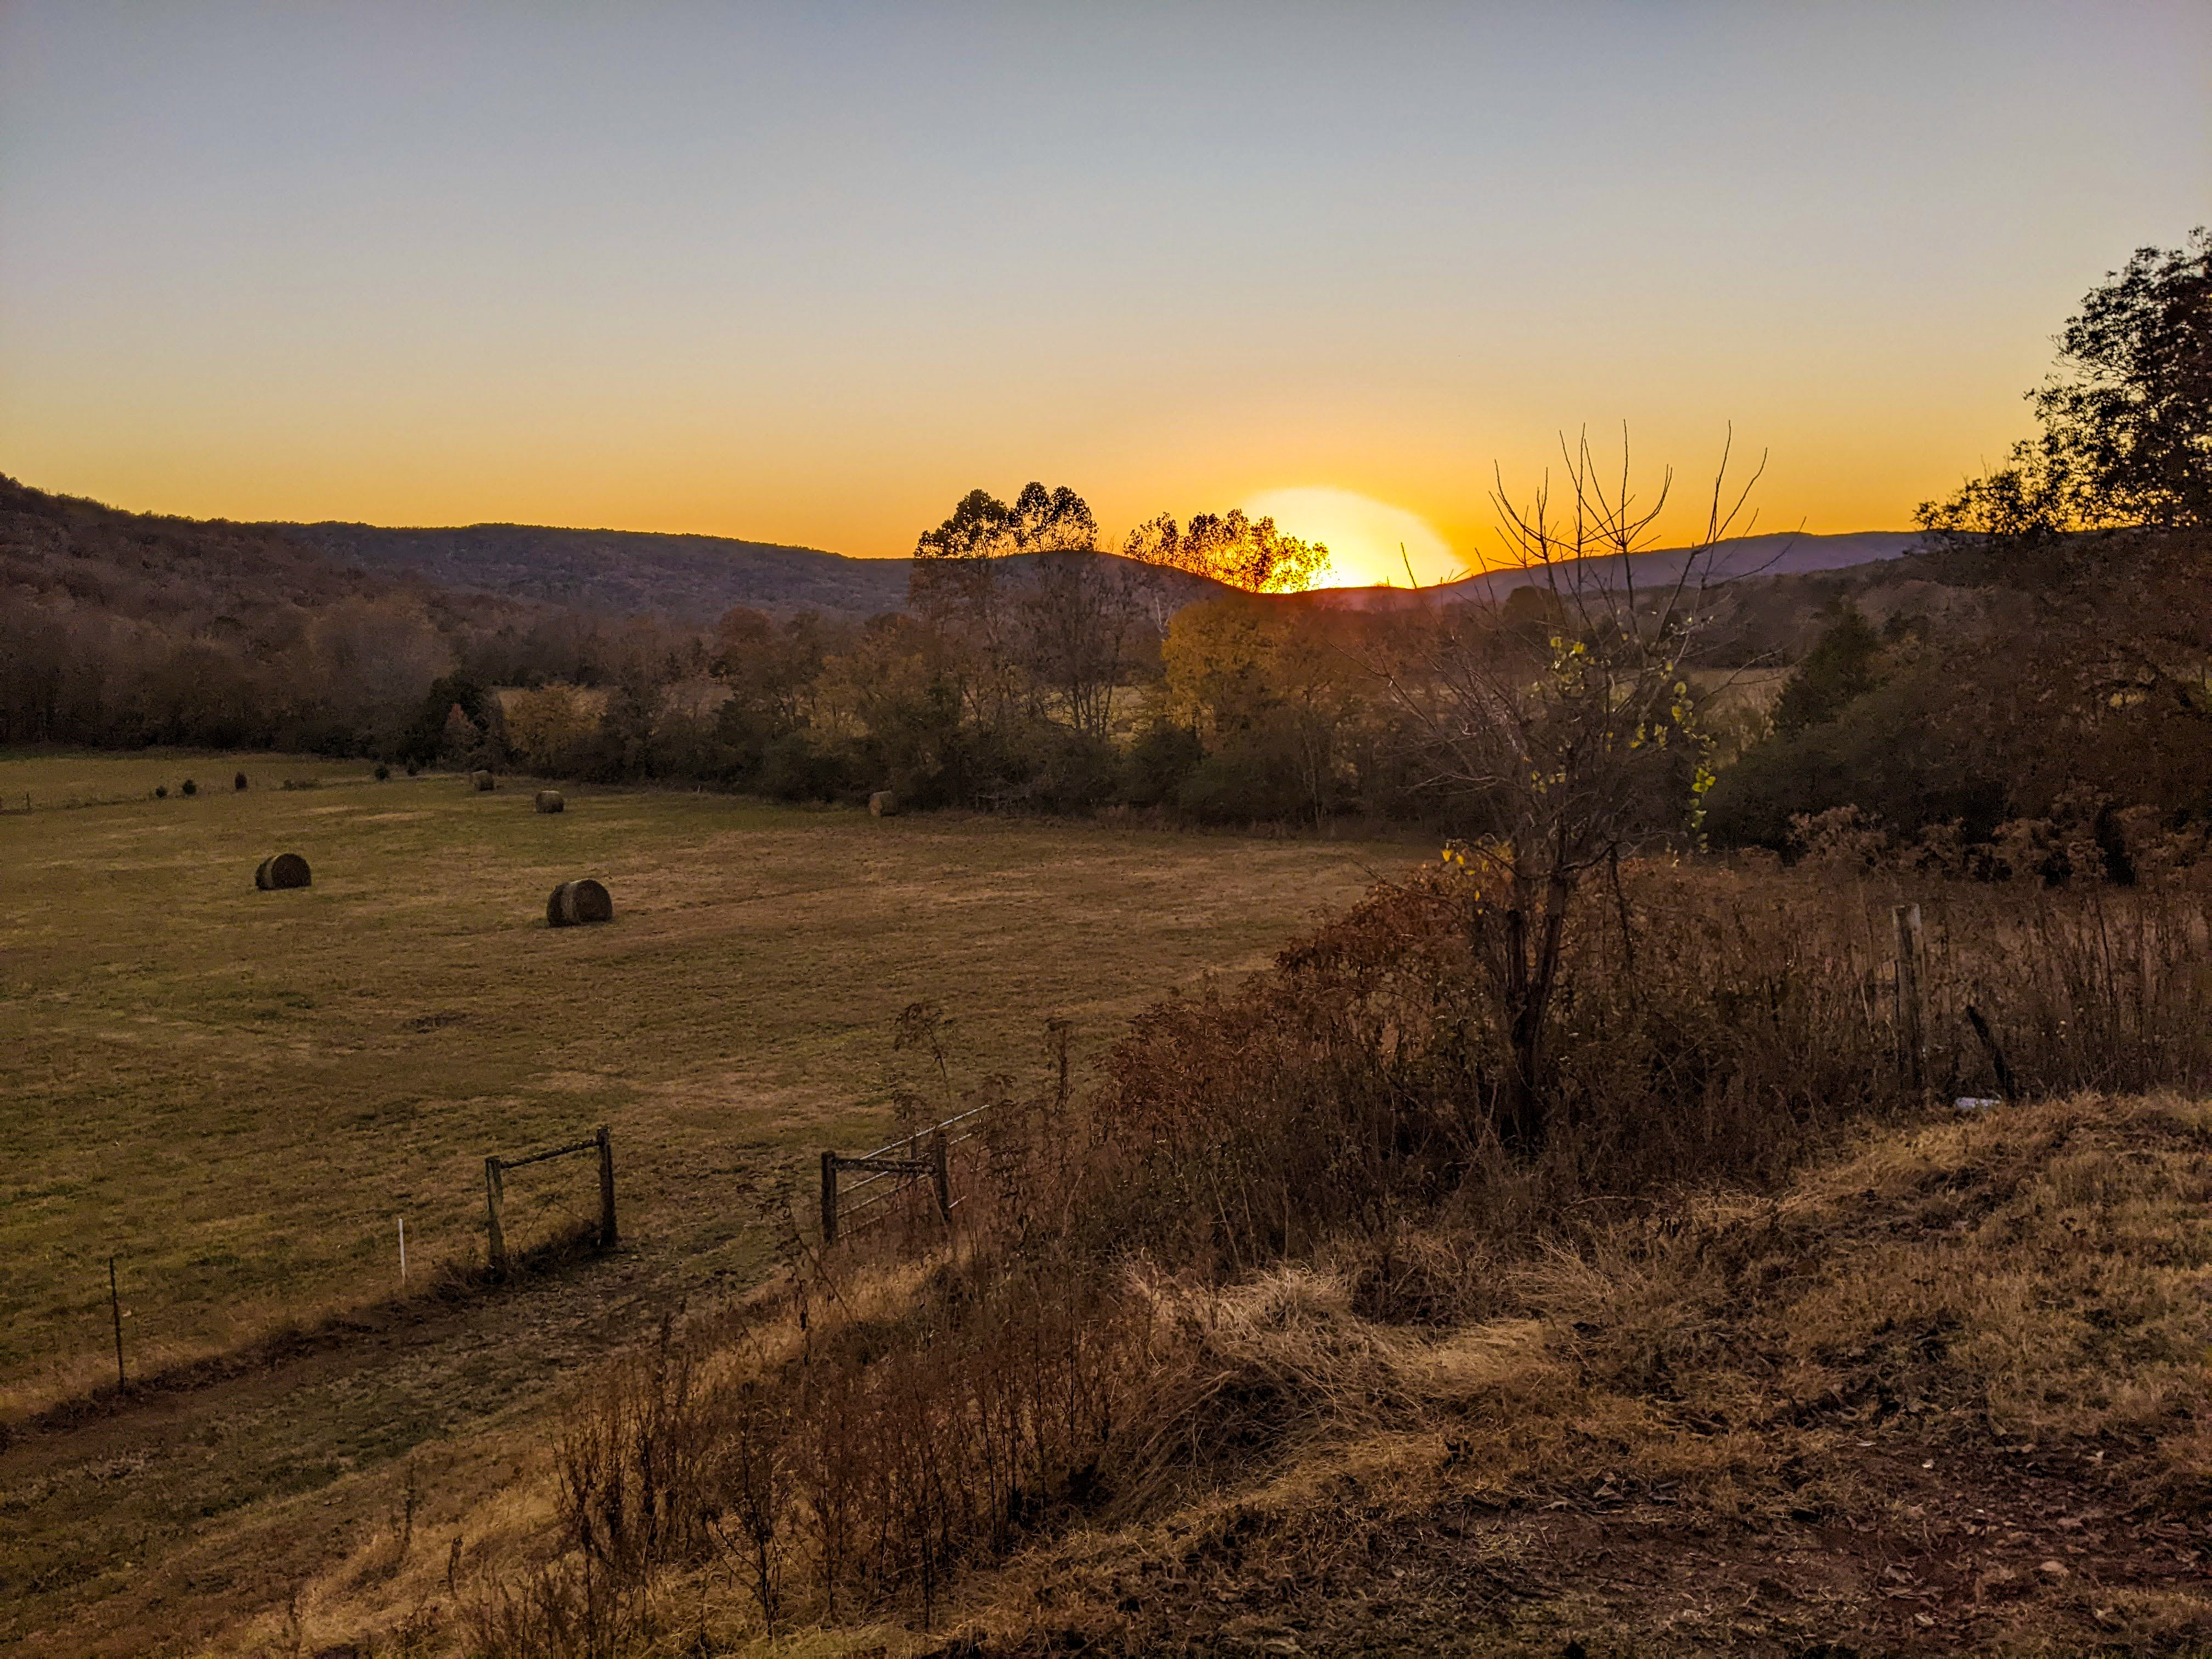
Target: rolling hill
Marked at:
694, 578
619, 572
686, 579
1787, 553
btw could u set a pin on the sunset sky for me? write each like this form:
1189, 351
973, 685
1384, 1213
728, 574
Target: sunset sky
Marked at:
808, 273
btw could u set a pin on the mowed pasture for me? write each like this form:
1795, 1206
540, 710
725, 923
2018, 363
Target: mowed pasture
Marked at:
237, 1094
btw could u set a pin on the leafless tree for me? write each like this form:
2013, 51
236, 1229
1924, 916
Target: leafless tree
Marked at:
1559, 728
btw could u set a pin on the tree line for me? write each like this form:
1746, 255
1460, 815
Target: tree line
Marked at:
124, 630
2072, 698
1062, 684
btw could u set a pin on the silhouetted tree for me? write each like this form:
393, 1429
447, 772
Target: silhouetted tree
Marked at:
958, 587
1247, 553
2127, 422
426, 735
1084, 612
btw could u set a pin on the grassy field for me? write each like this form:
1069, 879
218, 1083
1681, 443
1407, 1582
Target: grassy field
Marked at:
239, 1094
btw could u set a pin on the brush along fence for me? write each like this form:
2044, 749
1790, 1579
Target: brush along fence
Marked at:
1912, 1020
895, 1172
495, 1171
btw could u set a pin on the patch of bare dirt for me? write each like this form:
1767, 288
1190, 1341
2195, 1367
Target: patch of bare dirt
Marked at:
2013, 1549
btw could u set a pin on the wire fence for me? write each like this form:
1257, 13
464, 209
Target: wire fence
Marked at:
918, 1162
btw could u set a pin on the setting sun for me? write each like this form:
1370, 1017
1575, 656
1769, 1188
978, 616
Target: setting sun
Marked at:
1370, 543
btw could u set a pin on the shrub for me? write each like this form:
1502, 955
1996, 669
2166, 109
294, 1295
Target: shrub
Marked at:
1718, 1023
1153, 770
1895, 753
1242, 785
792, 768
383, 772
160, 792
1068, 771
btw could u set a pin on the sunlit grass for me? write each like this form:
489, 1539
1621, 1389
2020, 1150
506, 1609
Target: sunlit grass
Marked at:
239, 1093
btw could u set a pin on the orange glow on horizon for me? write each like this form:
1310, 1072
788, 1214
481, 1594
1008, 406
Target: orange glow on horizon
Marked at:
1370, 543
722, 273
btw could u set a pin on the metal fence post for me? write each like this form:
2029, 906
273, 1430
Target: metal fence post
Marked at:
829, 1197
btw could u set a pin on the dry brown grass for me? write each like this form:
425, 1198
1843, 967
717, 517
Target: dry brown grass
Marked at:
1274, 1307
239, 1099
1874, 1405
1873, 1409
1284, 1229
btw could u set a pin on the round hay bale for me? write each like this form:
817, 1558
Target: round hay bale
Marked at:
484, 782
883, 805
239, 782
285, 870
548, 800
578, 904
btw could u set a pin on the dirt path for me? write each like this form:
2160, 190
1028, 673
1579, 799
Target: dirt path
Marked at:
2008, 1550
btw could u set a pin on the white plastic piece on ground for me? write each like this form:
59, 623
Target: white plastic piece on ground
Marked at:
1976, 1102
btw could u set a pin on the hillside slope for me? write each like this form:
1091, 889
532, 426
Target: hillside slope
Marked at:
1949, 1393
692, 579
57, 549
192, 569
121, 628
1945, 1392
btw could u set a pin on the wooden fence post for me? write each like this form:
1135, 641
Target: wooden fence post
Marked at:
940, 1169
1911, 1048
497, 1235
829, 1197
607, 1234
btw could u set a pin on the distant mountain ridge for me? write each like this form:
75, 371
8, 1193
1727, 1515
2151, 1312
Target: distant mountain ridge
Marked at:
619, 572
686, 579
1779, 553
694, 578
